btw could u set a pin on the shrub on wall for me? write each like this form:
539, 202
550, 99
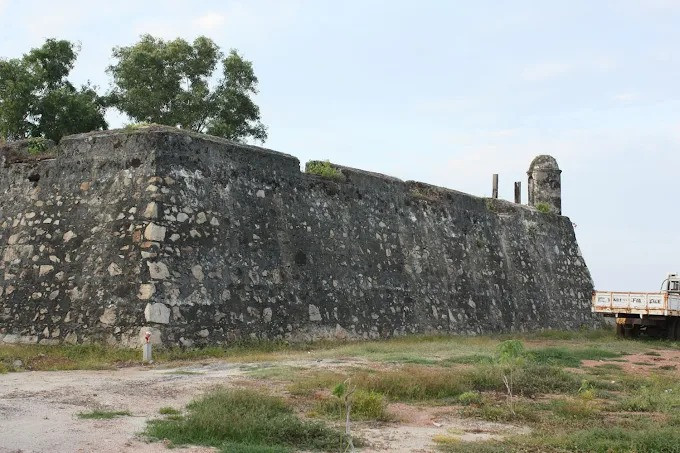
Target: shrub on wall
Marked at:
324, 169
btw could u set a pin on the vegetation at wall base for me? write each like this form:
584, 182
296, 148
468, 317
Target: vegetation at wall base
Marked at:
572, 391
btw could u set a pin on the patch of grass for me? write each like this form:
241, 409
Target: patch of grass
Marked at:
570, 358
657, 394
471, 359
98, 414
652, 353
231, 447
167, 410
446, 439
423, 349
500, 412
469, 398
426, 383
425, 192
607, 367
612, 439
244, 420
575, 409
67, 357
618, 439
534, 379
324, 169
421, 383
366, 405
308, 383
411, 359
285, 373
183, 372
543, 207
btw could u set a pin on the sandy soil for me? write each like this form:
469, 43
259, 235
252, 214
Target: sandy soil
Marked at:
38, 410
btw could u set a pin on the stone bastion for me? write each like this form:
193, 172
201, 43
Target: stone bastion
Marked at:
205, 241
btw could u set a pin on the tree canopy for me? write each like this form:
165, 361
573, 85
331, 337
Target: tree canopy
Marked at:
172, 83
37, 100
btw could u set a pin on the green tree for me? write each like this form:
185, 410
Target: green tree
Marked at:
37, 100
169, 82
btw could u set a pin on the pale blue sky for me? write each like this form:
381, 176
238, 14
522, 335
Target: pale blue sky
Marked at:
446, 92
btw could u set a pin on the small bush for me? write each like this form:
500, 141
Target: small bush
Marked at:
324, 169
37, 146
366, 405
468, 398
543, 207
575, 409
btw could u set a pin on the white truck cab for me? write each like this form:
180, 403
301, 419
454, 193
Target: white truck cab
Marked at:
655, 314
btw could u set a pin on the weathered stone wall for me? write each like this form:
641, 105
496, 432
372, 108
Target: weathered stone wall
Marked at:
203, 241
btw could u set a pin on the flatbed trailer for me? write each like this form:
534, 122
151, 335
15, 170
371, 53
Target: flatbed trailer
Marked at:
654, 314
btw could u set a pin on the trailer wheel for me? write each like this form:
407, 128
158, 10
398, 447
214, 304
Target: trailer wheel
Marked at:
672, 329
620, 331
631, 331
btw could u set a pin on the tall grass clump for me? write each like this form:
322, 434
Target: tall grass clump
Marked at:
366, 405
239, 420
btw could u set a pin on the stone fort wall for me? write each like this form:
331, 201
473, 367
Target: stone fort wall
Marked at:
205, 241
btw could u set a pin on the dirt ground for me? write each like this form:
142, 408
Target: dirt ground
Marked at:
38, 410
644, 363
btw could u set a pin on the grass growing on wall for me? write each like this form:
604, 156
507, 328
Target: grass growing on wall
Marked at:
324, 169
544, 208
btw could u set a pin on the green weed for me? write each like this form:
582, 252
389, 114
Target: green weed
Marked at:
324, 169
244, 420
366, 405
570, 358
103, 414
